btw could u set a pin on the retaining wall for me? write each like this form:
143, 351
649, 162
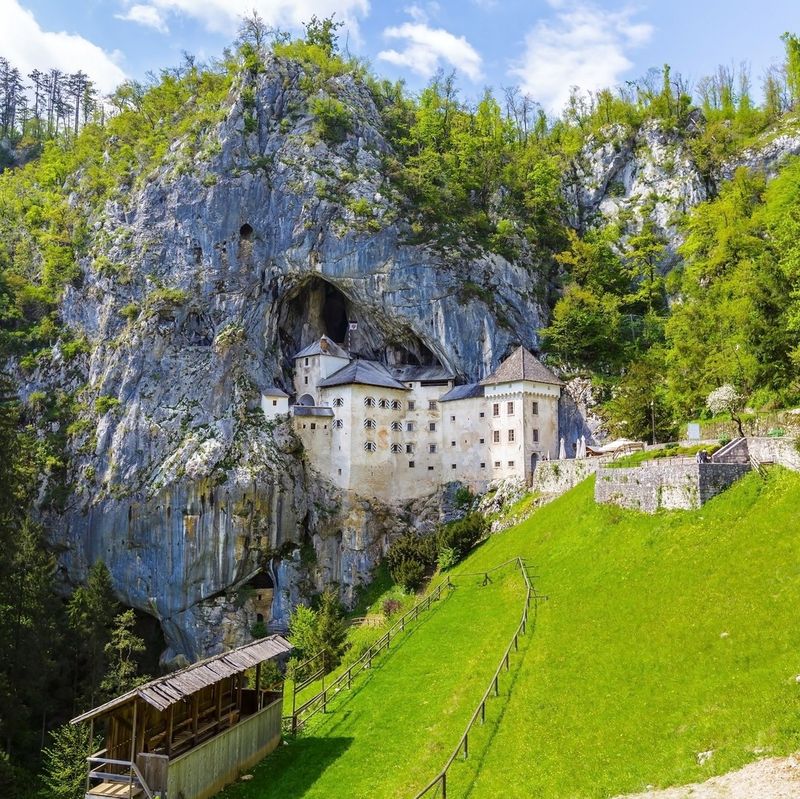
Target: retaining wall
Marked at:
670, 484
553, 478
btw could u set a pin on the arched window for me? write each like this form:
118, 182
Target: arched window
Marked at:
338, 402
397, 425
369, 402
370, 424
338, 424
370, 446
397, 405
383, 403
396, 448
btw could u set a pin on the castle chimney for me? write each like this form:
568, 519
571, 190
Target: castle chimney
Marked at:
323, 344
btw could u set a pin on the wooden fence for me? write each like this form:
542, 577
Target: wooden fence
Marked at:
440, 780
319, 702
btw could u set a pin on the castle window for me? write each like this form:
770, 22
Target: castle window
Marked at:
338, 402
536, 407
511, 463
430, 468
370, 424
410, 449
397, 425
411, 405
452, 418
535, 435
396, 405
481, 414
496, 409
369, 446
432, 405
482, 441
383, 403
432, 427
483, 466
452, 443
495, 436
411, 464
396, 448
369, 402
510, 408
313, 425
510, 436
452, 466
431, 448
305, 379
274, 402
410, 427
338, 424
497, 464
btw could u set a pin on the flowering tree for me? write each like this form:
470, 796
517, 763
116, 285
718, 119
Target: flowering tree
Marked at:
726, 399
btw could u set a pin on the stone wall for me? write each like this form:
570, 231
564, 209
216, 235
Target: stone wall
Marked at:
782, 451
669, 484
553, 478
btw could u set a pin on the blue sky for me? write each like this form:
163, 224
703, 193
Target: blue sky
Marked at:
545, 46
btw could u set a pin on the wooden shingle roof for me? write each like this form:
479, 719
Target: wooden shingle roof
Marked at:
165, 691
521, 365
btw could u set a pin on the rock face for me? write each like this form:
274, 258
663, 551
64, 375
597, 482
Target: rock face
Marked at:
225, 268
225, 265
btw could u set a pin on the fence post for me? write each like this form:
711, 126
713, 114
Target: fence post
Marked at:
516, 644
466, 745
483, 712
444, 785
349, 677
496, 686
507, 666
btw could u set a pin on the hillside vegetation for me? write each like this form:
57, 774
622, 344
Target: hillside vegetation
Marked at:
664, 637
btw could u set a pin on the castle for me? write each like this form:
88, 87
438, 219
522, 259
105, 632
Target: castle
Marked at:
400, 432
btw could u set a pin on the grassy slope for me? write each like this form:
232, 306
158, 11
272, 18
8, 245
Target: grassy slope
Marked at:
384, 739
664, 636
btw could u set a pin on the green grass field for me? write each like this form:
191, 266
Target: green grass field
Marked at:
664, 636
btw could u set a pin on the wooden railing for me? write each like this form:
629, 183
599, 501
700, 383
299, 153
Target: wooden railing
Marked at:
319, 702
440, 780
96, 772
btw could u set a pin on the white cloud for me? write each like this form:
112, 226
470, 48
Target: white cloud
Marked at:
149, 16
584, 46
425, 48
223, 16
28, 47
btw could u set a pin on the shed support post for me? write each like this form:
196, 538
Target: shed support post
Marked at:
195, 715
258, 686
170, 725
133, 750
91, 746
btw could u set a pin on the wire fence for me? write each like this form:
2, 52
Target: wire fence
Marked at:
438, 785
319, 702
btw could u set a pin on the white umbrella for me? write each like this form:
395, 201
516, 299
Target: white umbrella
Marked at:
562, 452
582, 447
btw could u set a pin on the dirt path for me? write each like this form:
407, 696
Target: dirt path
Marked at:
773, 778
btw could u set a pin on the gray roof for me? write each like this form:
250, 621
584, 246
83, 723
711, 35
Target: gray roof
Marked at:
467, 391
324, 346
408, 373
521, 365
165, 691
273, 391
368, 373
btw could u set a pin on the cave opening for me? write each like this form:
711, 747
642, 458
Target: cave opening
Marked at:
246, 231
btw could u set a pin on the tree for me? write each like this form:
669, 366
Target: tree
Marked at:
331, 633
792, 44
322, 33
727, 399
302, 631
122, 674
64, 762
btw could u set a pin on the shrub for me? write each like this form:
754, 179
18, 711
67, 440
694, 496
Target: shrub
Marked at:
103, 404
447, 558
259, 630
391, 606
409, 574
462, 535
333, 121
129, 311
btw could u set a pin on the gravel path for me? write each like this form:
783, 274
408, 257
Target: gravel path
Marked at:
773, 778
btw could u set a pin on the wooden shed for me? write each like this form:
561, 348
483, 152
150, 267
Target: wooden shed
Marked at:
187, 735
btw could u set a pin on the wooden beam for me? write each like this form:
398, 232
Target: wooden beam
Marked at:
133, 748
170, 725
258, 686
239, 680
195, 714
218, 689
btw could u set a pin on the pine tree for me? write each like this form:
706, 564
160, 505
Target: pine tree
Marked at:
331, 633
122, 674
64, 762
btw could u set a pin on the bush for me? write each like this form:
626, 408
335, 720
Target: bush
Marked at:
103, 404
462, 535
391, 606
409, 574
333, 121
447, 558
259, 630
